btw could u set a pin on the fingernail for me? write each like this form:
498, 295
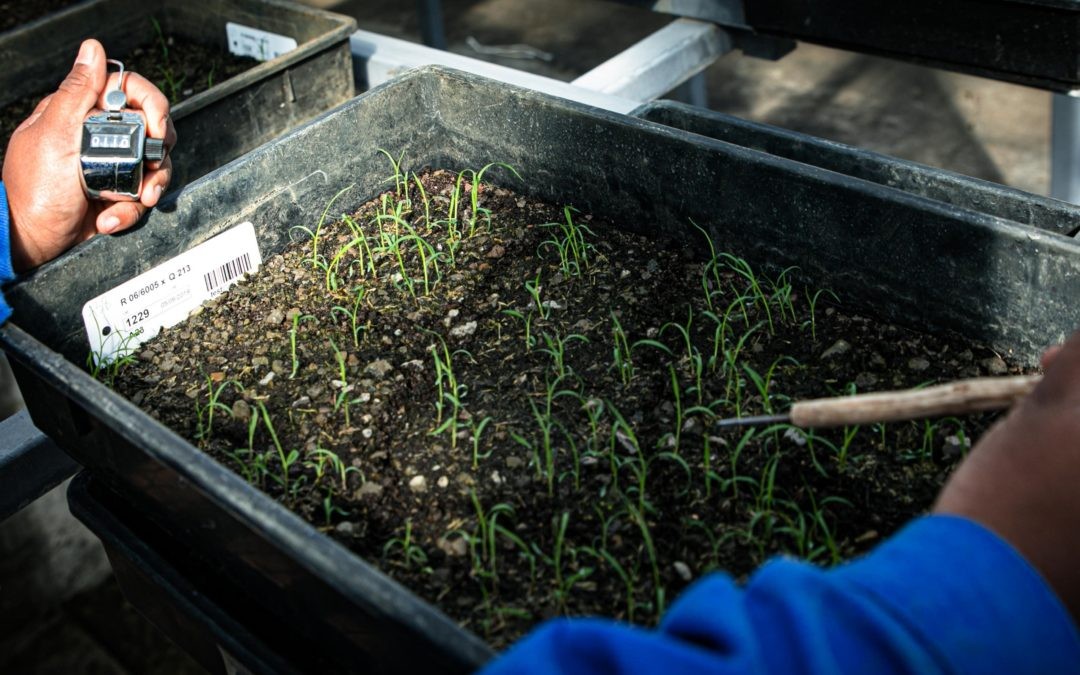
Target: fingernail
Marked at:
86, 54
157, 191
110, 223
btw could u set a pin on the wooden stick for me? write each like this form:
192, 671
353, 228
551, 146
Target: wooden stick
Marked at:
955, 398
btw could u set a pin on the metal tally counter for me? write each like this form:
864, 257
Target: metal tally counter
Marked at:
114, 147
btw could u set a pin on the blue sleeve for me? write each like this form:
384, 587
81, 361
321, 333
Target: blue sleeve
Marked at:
7, 273
944, 595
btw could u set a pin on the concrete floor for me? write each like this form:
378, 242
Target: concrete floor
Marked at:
973, 126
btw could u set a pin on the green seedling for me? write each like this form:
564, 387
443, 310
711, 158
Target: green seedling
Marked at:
570, 244
534, 288
205, 414
623, 361
474, 196
448, 389
353, 315
342, 398
813, 301
476, 431
398, 178
556, 349
297, 319
711, 283
525, 319
411, 554
743, 269
286, 460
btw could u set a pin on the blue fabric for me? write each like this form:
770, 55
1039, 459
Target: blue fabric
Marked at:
6, 271
944, 595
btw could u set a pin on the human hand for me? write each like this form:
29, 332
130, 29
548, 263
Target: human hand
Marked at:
1022, 479
48, 210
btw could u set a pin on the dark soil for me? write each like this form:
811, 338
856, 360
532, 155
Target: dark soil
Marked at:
178, 66
641, 494
14, 14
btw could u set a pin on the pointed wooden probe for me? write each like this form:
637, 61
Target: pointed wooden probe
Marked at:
954, 398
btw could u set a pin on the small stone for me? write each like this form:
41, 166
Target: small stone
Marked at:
301, 402
379, 368
796, 436
167, 363
267, 379
918, 364
865, 381
513, 462
274, 317
345, 528
877, 360
260, 362
994, 365
839, 348
443, 481
367, 433
683, 570
217, 376
965, 356
496, 478
292, 314
497, 251
418, 484
455, 548
464, 330
241, 411
369, 490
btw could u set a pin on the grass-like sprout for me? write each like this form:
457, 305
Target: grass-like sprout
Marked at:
108, 369
411, 554
353, 315
783, 294
423, 199
534, 288
286, 459
526, 320
812, 301
448, 389
399, 178
344, 388
205, 414
564, 582
315, 260
556, 349
570, 244
639, 519
743, 269
711, 271
325, 462
474, 196
477, 428
171, 85
622, 357
297, 320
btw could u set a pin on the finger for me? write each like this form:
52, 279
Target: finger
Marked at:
143, 95
1049, 355
119, 216
78, 93
1061, 382
155, 183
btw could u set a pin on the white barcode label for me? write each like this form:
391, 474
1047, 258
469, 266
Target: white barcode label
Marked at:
258, 44
121, 319
232, 269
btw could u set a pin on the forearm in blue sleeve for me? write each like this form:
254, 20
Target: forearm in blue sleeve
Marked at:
7, 272
944, 595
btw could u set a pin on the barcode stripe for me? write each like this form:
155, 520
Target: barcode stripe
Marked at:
227, 272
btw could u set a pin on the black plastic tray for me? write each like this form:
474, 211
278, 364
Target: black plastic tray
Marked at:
905, 257
230, 118
917, 179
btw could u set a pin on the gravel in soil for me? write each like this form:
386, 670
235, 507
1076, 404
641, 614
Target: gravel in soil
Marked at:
178, 66
509, 406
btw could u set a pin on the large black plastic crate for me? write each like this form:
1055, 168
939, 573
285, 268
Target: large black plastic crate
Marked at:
230, 118
901, 255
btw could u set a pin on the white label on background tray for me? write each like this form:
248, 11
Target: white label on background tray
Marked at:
120, 320
258, 44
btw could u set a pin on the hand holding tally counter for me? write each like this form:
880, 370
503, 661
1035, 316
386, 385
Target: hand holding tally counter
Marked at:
48, 207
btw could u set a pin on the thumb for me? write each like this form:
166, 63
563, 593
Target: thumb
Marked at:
78, 93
